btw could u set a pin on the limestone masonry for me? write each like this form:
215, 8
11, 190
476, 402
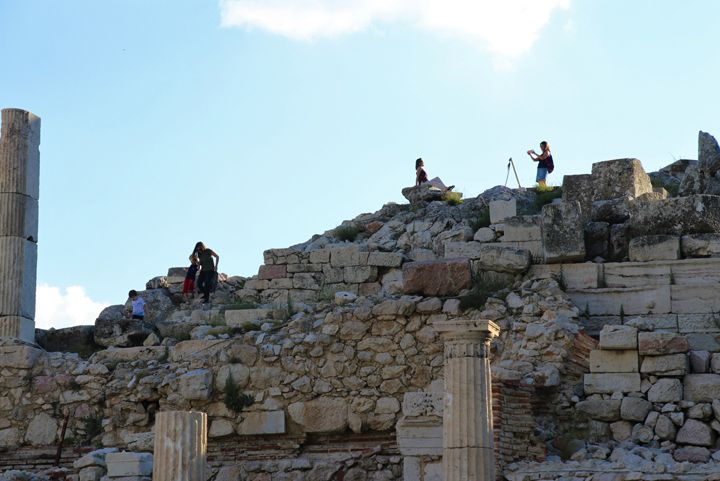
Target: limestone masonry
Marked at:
519, 335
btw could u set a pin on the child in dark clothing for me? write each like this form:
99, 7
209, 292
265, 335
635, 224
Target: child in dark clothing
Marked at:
189, 284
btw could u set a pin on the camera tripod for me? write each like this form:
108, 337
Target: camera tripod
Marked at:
512, 164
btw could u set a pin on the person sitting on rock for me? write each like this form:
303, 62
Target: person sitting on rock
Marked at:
422, 178
207, 280
545, 162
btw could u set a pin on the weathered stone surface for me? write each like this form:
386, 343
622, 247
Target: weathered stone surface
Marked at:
239, 372
384, 259
420, 436
267, 272
691, 454
619, 241
422, 193
17, 277
470, 250
700, 245
621, 430
262, 422
121, 332
42, 430
129, 464
696, 433
700, 298
436, 278
611, 211
196, 385
114, 355
634, 409
240, 317
665, 391
618, 337
600, 409
660, 343
641, 434
522, 228
613, 361
696, 214
597, 240
502, 209
499, 258
20, 356
665, 428
701, 387
562, 232
618, 178
579, 188
586, 275
669, 365
78, 339
484, 234
609, 383
321, 415
700, 362
348, 256
654, 247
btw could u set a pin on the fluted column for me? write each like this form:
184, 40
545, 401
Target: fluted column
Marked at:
19, 192
180, 446
468, 453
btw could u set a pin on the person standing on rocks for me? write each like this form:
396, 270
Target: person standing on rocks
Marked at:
545, 162
422, 178
207, 280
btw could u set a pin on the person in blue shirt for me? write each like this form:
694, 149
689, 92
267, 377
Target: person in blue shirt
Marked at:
138, 305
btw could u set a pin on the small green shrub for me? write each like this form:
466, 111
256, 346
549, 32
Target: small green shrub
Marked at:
453, 198
182, 336
546, 194
347, 232
239, 305
235, 399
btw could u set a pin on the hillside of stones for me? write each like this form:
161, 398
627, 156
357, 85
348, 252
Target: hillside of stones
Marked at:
605, 291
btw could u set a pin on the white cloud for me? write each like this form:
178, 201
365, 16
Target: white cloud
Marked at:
505, 27
57, 307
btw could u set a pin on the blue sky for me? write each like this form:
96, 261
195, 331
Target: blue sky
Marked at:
256, 124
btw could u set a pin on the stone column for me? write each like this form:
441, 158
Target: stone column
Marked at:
468, 453
19, 192
180, 446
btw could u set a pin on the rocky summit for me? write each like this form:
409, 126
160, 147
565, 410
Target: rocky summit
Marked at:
602, 298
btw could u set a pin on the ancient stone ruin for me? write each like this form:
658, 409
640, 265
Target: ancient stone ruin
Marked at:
521, 335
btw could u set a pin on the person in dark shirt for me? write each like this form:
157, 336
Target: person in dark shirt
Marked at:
422, 178
208, 269
545, 162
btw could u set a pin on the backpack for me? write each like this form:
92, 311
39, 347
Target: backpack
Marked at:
550, 164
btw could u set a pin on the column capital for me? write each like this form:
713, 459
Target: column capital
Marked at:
468, 329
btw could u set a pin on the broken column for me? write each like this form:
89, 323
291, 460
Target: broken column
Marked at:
468, 453
180, 446
19, 192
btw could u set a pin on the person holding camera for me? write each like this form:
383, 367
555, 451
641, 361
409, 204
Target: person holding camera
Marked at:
545, 162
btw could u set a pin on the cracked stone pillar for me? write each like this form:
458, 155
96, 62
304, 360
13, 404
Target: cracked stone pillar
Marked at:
180, 446
19, 192
468, 453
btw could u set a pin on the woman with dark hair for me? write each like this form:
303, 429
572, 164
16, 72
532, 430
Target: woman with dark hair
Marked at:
422, 178
545, 162
208, 269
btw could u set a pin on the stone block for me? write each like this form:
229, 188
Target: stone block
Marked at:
500, 258
636, 274
267, 272
661, 343
618, 337
42, 430
619, 178
220, 427
436, 278
502, 209
700, 362
587, 275
360, 274
670, 365
611, 211
121, 332
597, 240
18, 216
701, 387
484, 234
666, 390
384, 259
320, 256
129, 464
197, 350
696, 433
563, 236
694, 214
629, 301
347, 256
422, 403
700, 245
619, 240
239, 372
195, 385
18, 327
699, 323
470, 250
533, 247
703, 342
699, 298
321, 415
613, 361
578, 188
634, 409
422, 193
19, 357
20, 153
608, 383
600, 409
420, 436
18, 264
128, 354
522, 228
239, 317
653, 322
653, 248
262, 422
